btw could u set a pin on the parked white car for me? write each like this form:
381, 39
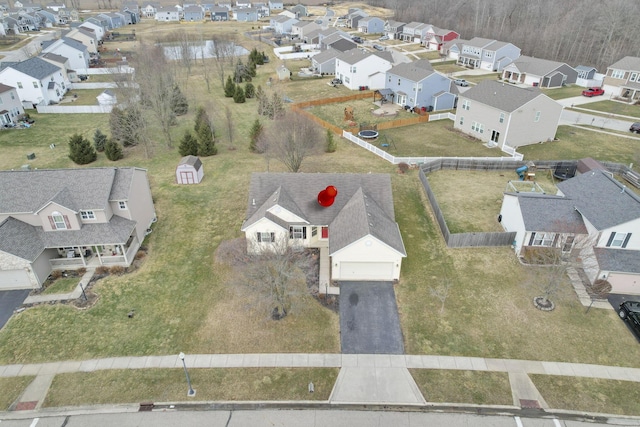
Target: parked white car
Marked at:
461, 82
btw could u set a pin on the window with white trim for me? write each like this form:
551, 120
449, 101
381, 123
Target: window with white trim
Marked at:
618, 240
35, 85
477, 127
122, 206
58, 221
86, 215
536, 119
19, 85
297, 232
466, 105
617, 74
461, 120
634, 77
265, 237
501, 119
542, 239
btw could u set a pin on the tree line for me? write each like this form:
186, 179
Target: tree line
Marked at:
578, 32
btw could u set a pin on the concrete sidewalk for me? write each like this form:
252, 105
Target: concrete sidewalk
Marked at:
363, 378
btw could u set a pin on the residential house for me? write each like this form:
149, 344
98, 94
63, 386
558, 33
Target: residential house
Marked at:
92, 26
75, 51
10, 26
354, 16
70, 218
623, 78
328, 36
10, 106
414, 32
193, 13
248, 14
132, 12
371, 25
70, 75
325, 62
393, 29
539, 72
68, 14
282, 24
262, 8
416, 84
276, 5
226, 4
487, 54
592, 213
28, 21
86, 36
55, 6
47, 18
299, 10
303, 28
148, 10
114, 20
358, 69
37, 81
102, 22
338, 42
435, 38
243, 4
167, 14
219, 13
588, 76
505, 115
24, 5
357, 235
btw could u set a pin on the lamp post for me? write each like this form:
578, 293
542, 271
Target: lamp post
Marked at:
191, 392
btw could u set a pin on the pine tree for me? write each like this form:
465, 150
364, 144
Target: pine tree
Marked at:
188, 145
229, 88
179, 103
113, 150
201, 117
254, 136
206, 140
99, 140
332, 145
80, 150
249, 90
238, 97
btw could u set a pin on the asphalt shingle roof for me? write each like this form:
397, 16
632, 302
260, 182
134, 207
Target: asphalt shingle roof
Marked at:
536, 66
601, 199
549, 213
364, 196
35, 67
620, 260
627, 63
504, 97
414, 71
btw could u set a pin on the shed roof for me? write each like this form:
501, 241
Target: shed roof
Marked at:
191, 161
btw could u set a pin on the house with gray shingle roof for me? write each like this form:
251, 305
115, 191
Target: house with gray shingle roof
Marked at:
75, 51
371, 25
393, 29
623, 78
539, 72
357, 234
502, 115
10, 106
37, 81
416, 84
70, 218
487, 54
593, 213
325, 62
357, 68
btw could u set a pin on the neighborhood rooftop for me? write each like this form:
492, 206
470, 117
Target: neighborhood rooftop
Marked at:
35, 67
502, 96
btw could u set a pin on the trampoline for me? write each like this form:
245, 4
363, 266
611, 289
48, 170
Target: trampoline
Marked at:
368, 134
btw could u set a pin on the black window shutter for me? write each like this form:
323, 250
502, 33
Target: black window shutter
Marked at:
555, 240
533, 235
626, 240
304, 232
273, 237
259, 237
611, 238
291, 232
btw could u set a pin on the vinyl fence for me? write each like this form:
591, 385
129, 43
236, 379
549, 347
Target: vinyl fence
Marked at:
74, 109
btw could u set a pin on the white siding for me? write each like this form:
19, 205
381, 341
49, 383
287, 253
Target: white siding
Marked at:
366, 250
512, 219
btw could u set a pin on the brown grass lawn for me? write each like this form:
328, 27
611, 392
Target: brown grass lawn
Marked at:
615, 107
447, 68
12, 388
84, 97
563, 92
480, 388
476, 204
473, 78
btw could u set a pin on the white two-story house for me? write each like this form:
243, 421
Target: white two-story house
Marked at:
358, 69
37, 81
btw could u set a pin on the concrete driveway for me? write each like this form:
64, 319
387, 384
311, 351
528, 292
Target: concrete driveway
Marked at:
369, 321
9, 301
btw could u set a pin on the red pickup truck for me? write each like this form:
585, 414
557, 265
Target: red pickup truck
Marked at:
593, 91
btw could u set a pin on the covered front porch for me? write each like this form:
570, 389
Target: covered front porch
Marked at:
513, 77
75, 257
468, 62
630, 93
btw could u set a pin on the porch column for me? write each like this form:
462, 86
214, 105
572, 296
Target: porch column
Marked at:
124, 254
98, 253
84, 263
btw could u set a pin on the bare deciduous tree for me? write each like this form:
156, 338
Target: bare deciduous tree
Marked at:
230, 125
293, 138
441, 291
223, 50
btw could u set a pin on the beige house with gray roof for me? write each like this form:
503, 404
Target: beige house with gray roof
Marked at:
70, 218
357, 235
540, 72
505, 115
623, 78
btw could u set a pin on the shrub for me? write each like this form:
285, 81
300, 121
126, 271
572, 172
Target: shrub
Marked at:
188, 145
332, 145
140, 254
56, 274
113, 150
238, 96
229, 88
81, 271
249, 90
102, 270
99, 140
117, 269
80, 150
179, 103
403, 167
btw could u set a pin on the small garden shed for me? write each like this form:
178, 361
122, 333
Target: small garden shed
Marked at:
189, 171
107, 98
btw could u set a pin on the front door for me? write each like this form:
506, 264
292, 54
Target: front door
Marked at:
187, 178
402, 99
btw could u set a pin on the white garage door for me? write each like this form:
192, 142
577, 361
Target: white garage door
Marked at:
14, 279
624, 283
366, 271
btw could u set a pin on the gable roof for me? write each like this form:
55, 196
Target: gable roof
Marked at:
325, 55
502, 96
35, 67
536, 66
89, 188
549, 213
601, 199
414, 71
191, 161
55, 57
342, 44
360, 196
4, 88
627, 63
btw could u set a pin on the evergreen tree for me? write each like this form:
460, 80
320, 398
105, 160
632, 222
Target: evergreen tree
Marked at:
99, 140
332, 145
229, 88
179, 103
113, 150
238, 97
206, 140
123, 123
201, 117
249, 90
188, 145
80, 150
254, 136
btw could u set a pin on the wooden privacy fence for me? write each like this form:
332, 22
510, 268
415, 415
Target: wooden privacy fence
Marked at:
334, 100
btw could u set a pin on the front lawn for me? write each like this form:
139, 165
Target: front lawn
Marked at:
452, 386
12, 388
563, 92
63, 285
614, 107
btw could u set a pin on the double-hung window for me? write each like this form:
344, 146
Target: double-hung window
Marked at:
297, 232
618, 240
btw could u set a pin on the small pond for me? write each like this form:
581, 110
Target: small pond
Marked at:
197, 50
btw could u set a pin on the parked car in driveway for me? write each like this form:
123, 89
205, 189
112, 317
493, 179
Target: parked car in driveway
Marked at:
635, 127
629, 311
383, 38
335, 82
378, 47
461, 82
593, 91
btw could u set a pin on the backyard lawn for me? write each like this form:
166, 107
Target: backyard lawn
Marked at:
615, 107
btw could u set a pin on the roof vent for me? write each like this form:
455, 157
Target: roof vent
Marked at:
623, 188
